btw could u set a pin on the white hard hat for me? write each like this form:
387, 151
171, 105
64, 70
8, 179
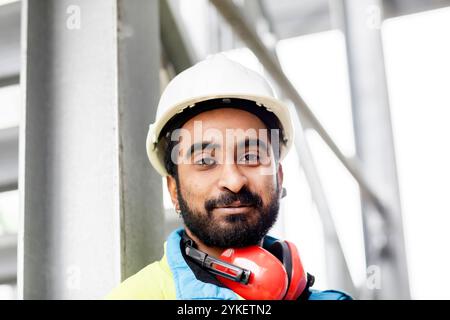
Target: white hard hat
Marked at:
214, 78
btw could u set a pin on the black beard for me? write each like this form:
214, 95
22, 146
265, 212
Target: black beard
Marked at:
241, 232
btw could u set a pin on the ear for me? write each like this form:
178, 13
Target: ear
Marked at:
172, 188
280, 176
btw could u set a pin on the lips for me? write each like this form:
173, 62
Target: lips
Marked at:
234, 208
236, 204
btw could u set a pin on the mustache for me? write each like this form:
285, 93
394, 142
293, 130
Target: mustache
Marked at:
244, 196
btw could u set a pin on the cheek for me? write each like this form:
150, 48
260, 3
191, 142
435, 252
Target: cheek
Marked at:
196, 180
194, 192
265, 186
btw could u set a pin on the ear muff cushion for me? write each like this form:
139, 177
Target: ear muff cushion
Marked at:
298, 279
280, 249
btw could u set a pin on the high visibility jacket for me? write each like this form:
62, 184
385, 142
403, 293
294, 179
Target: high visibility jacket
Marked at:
171, 278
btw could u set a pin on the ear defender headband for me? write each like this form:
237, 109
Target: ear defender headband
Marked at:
255, 273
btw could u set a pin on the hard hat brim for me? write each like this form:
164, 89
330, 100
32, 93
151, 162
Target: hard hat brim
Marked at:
156, 155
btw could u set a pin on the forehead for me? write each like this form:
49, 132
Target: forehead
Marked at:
223, 119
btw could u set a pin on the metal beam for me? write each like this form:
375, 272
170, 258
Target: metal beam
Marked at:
395, 8
374, 145
290, 18
284, 18
9, 43
9, 80
9, 158
91, 207
174, 39
8, 261
295, 18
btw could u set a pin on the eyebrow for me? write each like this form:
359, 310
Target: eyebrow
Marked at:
200, 146
252, 142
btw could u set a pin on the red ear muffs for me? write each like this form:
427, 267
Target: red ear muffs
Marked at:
287, 253
276, 273
268, 279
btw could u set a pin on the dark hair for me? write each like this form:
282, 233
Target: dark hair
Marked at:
176, 122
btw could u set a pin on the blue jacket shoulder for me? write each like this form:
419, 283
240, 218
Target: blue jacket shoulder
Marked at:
328, 295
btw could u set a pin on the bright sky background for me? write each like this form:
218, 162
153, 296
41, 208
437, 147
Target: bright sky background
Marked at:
3, 2
9, 106
417, 50
316, 64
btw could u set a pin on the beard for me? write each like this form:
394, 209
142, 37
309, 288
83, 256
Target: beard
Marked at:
240, 230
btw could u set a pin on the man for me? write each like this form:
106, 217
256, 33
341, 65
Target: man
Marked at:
218, 138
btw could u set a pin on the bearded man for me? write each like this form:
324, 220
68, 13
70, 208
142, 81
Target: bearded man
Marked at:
219, 138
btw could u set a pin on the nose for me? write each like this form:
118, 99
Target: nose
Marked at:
232, 178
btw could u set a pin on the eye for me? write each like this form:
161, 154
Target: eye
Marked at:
250, 158
205, 161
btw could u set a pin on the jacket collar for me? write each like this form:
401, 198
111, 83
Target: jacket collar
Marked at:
186, 284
